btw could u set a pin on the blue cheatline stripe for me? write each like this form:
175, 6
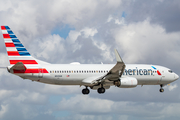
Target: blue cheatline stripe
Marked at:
10, 32
12, 36
24, 54
15, 40
153, 67
18, 45
21, 49
6, 27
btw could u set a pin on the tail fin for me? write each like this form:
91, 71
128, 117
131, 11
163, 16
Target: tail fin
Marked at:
15, 49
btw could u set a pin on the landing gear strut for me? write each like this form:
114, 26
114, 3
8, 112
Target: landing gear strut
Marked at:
85, 91
161, 89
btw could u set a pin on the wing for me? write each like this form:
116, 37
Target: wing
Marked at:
113, 75
117, 70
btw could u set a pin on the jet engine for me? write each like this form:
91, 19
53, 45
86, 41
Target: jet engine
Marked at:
128, 82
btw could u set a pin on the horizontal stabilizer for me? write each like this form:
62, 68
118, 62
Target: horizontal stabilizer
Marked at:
19, 66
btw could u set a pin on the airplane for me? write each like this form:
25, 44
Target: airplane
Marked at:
94, 76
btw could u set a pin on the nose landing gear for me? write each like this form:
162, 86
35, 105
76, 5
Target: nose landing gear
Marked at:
161, 89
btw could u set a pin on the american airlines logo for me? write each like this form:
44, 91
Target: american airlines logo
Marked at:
141, 71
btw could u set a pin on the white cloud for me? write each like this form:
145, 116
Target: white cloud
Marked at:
109, 18
4, 61
172, 87
89, 32
5, 5
85, 104
88, 106
4, 109
120, 22
4, 94
116, 20
50, 45
73, 35
170, 110
60, 90
85, 32
143, 39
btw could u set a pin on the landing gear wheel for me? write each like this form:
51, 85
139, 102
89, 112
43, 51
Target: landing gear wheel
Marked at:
85, 91
161, 90
101, 90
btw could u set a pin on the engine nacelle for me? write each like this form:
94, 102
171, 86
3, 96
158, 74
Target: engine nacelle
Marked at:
128, 82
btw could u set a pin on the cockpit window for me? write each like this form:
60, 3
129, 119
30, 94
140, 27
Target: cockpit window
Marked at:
170, 71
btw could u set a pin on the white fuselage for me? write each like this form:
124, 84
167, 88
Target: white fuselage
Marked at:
73, 74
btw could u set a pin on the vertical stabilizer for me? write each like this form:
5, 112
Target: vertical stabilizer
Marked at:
15, 49
20, 59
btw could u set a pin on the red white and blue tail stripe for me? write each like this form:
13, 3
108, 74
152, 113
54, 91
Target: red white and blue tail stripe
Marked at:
20, 59
15, 49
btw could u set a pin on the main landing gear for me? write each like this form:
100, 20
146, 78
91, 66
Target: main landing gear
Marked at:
85, 91
161, 89
101, 90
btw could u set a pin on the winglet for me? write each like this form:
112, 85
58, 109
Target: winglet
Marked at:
118, 57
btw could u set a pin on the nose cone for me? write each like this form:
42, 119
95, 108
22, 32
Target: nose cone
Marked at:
176, 76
